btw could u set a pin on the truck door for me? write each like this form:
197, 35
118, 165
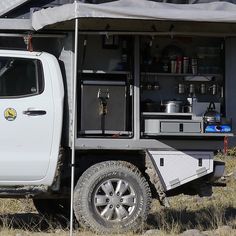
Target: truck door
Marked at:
26, 120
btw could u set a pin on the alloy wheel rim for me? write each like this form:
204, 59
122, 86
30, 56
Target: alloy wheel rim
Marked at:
115, 200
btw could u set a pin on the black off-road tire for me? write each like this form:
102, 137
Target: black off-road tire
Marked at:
104, 174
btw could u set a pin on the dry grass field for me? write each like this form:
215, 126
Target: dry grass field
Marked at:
214, 216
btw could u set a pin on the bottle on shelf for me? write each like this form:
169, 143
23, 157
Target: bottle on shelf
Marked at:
124, 53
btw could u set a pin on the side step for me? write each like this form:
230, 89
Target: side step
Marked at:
25, 191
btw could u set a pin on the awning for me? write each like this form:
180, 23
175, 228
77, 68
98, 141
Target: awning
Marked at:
222, 12
6, 5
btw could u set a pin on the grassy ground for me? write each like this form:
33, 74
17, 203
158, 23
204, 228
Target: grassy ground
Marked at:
211, 215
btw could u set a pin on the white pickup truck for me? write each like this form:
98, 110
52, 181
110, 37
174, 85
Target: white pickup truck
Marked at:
114, 186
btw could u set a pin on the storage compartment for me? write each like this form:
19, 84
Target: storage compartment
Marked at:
194, 164
105, 98
193, 127
155, 127
169, 95
171, 127
180, 127
184, 75
151, 127
104, 107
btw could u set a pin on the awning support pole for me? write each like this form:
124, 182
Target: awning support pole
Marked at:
74, 116
136, 88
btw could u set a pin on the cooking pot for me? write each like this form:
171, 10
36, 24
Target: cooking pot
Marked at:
172, 106
211, 116
187, 108
150, 106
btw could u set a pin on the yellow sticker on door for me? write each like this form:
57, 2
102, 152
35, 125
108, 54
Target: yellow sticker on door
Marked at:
10, 114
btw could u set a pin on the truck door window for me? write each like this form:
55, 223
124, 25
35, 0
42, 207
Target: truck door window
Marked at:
20, 77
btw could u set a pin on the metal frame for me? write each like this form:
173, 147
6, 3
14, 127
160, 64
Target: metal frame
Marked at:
162, 143
74, 126
136, 89
8, 35
151, 33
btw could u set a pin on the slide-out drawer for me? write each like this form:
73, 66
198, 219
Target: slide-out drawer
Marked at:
180, 127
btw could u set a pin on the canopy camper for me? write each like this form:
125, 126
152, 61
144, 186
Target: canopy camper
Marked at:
135, 96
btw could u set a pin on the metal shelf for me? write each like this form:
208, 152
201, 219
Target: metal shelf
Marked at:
192, 134
146, 73
166, 114
178, 75
105, 72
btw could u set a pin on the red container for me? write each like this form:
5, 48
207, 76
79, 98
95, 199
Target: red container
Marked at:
179, 62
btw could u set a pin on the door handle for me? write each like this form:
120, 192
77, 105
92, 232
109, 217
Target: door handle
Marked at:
34, 112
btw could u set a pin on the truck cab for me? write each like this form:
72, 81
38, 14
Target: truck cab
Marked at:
31, 91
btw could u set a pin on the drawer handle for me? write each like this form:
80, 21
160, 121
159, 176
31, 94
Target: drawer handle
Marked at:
181, 128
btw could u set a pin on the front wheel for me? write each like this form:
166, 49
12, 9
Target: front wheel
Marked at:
112, 197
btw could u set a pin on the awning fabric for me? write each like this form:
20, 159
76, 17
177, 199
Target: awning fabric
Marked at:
223, 12
6, 5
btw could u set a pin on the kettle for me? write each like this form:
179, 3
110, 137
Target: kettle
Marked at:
211, 116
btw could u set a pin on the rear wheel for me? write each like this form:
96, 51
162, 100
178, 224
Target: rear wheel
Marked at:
112, 197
